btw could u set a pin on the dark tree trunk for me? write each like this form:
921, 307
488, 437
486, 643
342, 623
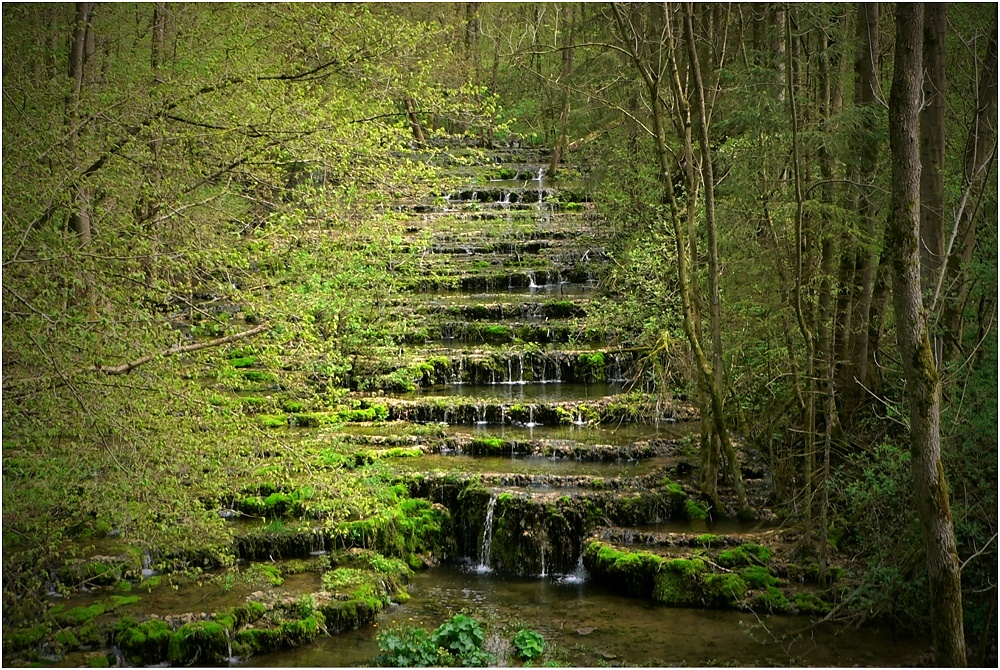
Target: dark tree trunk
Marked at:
923, 385
932, 145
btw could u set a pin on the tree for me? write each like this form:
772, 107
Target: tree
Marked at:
923, 386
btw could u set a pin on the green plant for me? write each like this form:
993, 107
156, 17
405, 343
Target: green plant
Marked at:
407, 648
529, 644
462, 636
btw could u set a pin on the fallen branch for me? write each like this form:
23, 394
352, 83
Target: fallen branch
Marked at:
128, 367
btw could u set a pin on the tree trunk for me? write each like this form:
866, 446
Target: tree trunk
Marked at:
980, 153
80, 218
932, 145
415, 127
159, 34
922, 382
866, 258
714, 311
568, 21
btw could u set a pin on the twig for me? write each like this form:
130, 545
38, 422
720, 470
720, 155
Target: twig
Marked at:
128, 367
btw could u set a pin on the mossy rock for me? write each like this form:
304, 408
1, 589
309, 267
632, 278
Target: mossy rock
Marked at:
24, 638
745, 554
724, 590
772, 600
144, 644
695, 511
678, 582
758, 577
809, 603
199, 643
78, 615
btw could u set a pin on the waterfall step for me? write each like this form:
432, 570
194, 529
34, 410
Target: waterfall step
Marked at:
491, 368
570, 441
471, 411
555, 331
498, 311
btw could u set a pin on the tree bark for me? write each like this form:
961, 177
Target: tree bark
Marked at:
922, 382
568, 22
932, 144
708, 183
415, 127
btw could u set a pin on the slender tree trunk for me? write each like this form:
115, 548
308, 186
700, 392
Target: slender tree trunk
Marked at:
922, 382
809, 432
866, 86
932, 145
78, 67
980, 158
415, 127
708, 182
568, 23
658, 116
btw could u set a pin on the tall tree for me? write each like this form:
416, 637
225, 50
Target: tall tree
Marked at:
932, 144
923, 385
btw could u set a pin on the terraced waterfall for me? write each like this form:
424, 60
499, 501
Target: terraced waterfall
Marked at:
535, 477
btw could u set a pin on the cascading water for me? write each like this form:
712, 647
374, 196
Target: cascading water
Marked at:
318, 548
484, 560
147, 566
578, 576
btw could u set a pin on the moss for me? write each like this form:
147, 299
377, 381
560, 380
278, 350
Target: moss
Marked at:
809, 603
67, 640
243, 362
772, 600
489, 446
678, 584
79, 615
200, 642
757, 576
292, 406
23, 638
707, 539
674, 489
256, 376
253, 641
100, 662
145, 644
272, 420
695, 510
304, 420
745, 554
724, 590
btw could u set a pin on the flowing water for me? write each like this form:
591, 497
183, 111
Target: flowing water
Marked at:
550, 391
590, 626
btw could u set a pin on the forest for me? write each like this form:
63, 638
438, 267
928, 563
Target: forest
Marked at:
488, 334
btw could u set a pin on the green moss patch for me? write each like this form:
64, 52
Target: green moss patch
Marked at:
745, 554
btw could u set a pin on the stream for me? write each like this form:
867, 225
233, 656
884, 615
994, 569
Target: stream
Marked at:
591, 626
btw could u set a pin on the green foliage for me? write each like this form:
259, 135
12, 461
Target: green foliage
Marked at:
463, 638
458, 641
408, 648
528, 644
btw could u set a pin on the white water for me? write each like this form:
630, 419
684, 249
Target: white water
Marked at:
484, 561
